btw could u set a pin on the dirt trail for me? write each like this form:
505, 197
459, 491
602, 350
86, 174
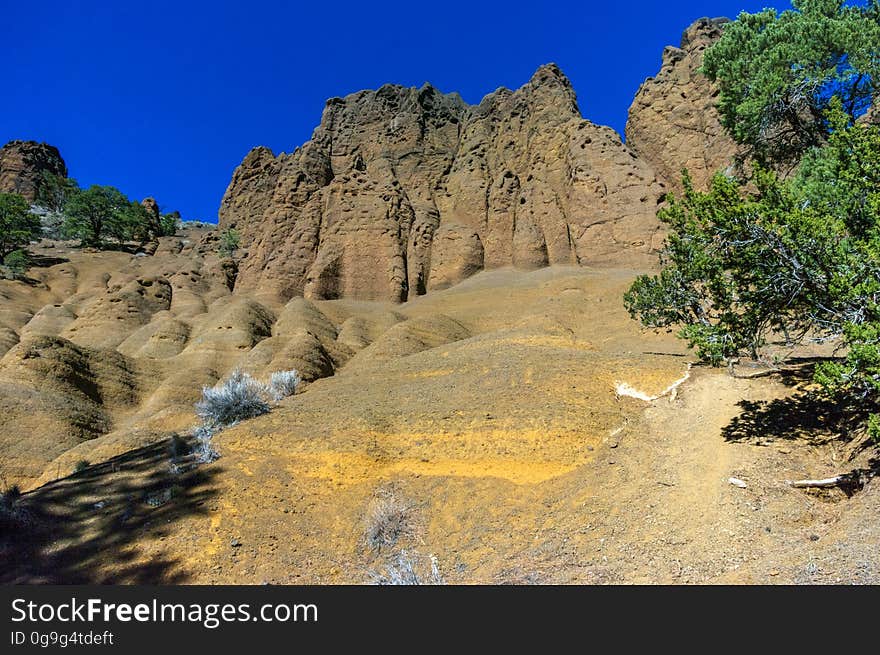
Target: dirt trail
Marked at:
665, 511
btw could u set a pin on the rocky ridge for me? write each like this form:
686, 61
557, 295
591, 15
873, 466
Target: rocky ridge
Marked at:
23, 164
402, 190
673, 123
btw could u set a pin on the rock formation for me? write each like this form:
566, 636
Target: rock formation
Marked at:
23, 164
403, 190
152, 208
154, 219
673, 122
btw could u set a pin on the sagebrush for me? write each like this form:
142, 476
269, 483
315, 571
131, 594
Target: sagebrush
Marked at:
204, 450
404, 570
283, 384
12, 515
238, 398
389, 519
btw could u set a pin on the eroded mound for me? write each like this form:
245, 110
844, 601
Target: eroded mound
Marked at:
56, 394
489, 411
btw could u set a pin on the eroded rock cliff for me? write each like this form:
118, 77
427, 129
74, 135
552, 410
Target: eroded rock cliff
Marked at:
673, 123
404, 190
23, 165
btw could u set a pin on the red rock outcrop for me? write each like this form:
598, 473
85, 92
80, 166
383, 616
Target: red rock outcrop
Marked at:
673, 123
402, 190
23, 163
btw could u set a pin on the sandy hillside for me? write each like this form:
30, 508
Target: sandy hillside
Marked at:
488, 413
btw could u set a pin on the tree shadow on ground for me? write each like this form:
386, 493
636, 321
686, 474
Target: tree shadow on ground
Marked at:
86, 528
804, 415
807, 417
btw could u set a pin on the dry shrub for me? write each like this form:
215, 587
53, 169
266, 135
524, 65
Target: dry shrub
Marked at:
388, 519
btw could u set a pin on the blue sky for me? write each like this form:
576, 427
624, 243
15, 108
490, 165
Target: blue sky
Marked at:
165, 98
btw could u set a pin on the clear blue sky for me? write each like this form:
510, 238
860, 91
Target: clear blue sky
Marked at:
165, 98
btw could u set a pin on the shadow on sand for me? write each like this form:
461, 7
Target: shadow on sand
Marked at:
803, 415
807, 417
85, 529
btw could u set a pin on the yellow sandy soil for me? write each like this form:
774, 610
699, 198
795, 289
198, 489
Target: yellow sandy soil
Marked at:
493, 414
